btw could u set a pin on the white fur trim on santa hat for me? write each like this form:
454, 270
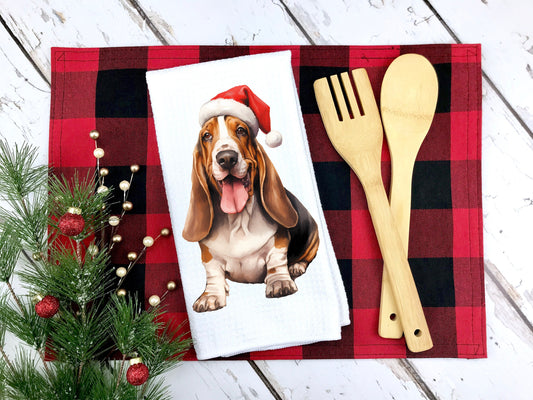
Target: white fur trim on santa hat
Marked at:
273, 139
217, 107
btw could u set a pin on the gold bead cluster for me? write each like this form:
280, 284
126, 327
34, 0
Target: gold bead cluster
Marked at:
114, 221
133, 257
154, 300
102, 172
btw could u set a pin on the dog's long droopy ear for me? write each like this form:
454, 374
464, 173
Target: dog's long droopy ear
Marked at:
275, 200
200, 214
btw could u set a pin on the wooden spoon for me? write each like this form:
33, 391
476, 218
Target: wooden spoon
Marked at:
408, 99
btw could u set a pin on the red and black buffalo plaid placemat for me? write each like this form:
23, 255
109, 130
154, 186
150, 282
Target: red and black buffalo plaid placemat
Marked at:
105, 89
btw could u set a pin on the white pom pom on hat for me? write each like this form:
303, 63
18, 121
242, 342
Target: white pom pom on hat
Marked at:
241, 102
273, 139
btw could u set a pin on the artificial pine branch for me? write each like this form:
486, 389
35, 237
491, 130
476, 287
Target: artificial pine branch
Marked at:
4, 361
155, 390
24, 380
19, 176
70, 269
9, 252
62, 276
131, 327
81, 193
23, 322
77, 338
23, 188
28, 216
162, 348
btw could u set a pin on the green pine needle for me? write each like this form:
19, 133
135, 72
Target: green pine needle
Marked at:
79, 336
62, 275
18, 175
92, 323
25, 381
165, 350
25, 323
3, 327
131, 328
9, 251
29, 219
80, 193
62, 381
3, 367
154, 390
23, 186
103, 384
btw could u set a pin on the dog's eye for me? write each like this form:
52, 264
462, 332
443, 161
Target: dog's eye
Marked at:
207, 137
241, 131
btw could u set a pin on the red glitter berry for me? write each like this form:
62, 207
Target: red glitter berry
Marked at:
137, 374
71, 223
47, 307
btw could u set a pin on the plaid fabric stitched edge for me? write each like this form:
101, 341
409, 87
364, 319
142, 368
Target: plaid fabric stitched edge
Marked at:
105, 89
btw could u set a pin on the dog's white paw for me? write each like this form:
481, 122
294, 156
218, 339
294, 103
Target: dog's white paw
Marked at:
209, 302
280, 288
298, 269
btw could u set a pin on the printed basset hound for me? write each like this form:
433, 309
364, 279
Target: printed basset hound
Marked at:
249, 227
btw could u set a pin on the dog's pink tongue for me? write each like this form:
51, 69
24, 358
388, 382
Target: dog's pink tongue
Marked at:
234, 196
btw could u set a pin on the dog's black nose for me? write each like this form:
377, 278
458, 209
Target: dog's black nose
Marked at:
227, 159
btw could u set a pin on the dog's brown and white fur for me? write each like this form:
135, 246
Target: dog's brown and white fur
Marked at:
268, 236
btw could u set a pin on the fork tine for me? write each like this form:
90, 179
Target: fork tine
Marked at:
326, 105
325, 100
350, 94
340, 97
365, 92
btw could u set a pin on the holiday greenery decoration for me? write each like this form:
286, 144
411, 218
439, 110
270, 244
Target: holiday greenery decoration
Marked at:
56, 238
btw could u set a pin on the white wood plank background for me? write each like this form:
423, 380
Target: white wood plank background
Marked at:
30, 27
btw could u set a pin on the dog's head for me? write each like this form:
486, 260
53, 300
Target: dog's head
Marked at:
229, 167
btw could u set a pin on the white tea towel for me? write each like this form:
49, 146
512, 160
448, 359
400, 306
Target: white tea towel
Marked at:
250, 321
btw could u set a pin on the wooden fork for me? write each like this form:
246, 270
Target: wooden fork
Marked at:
359, 139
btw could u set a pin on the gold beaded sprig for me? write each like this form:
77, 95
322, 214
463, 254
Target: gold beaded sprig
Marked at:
154, 300
127, 205
99, 153
124, 186
115, 220
134, 257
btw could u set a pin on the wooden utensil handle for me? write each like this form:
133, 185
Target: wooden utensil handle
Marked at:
403, 286
390, 325
400, 196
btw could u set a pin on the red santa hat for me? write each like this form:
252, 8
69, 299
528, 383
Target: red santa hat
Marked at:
242, 103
